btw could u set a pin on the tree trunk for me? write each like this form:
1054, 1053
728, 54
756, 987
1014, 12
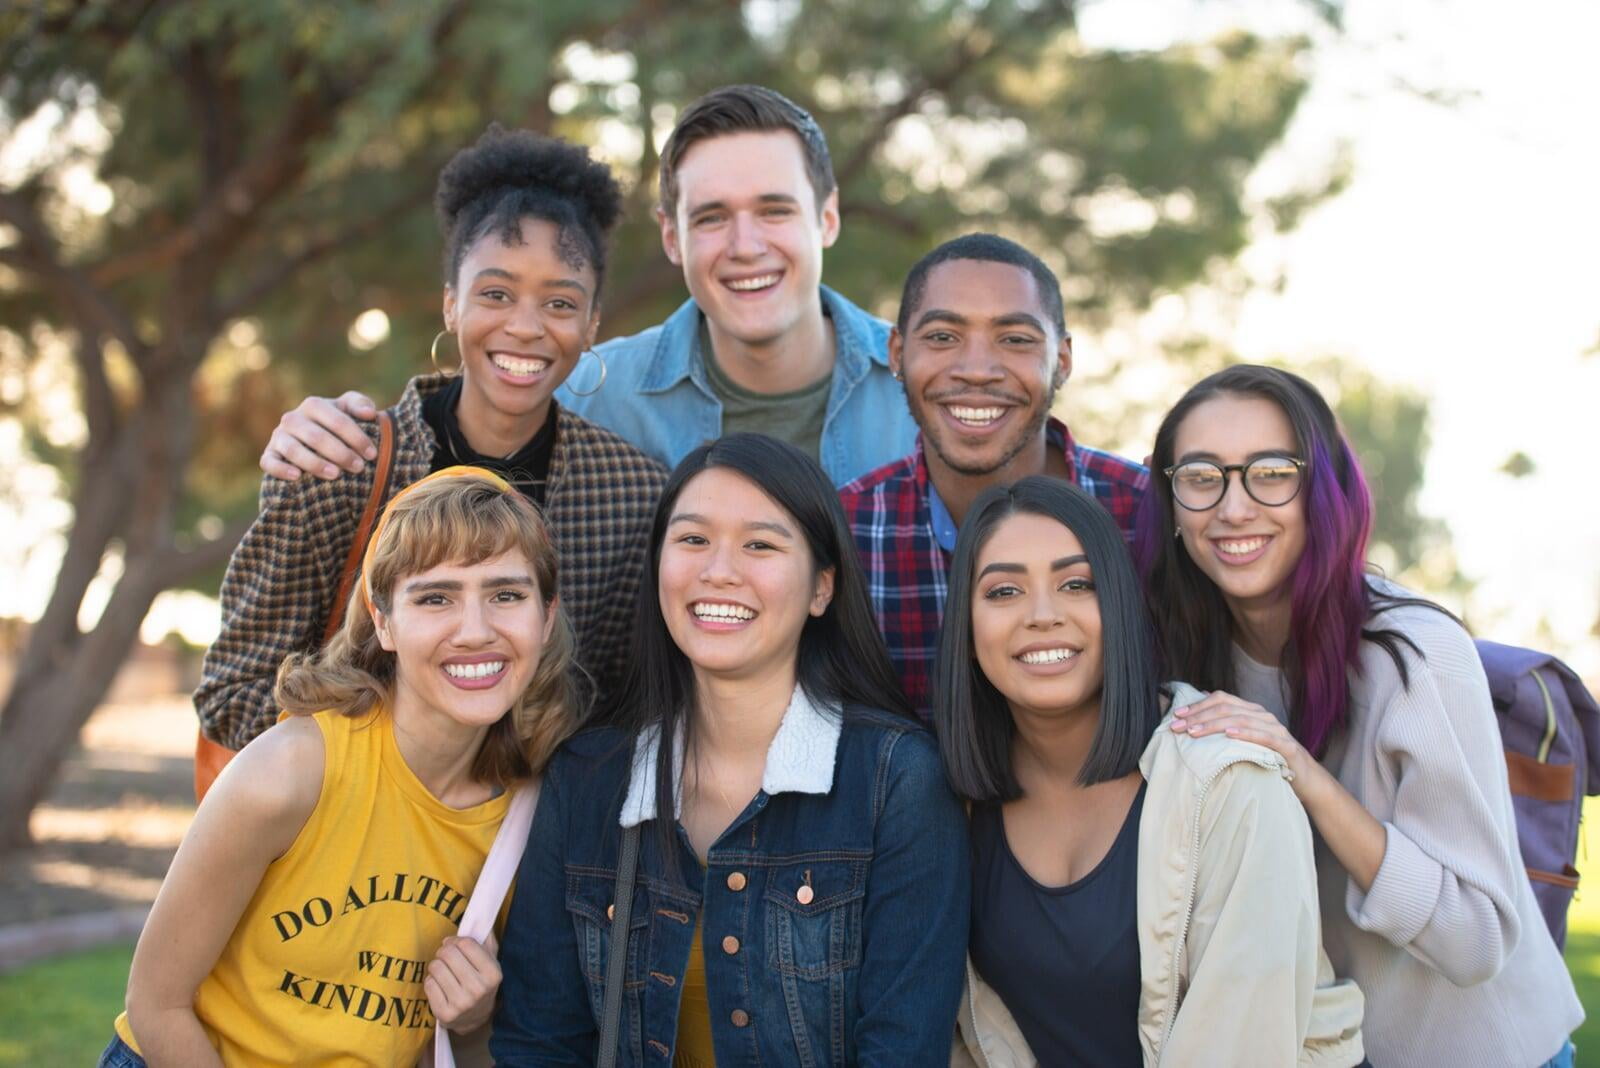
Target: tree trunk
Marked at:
62, 674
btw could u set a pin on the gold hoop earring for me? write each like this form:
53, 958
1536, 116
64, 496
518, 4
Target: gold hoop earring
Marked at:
597, 385
433, 354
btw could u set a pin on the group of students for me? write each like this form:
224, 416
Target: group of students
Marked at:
1198, 789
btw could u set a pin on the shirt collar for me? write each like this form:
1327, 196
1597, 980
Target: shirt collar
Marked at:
944, 524
800, 759
677, 353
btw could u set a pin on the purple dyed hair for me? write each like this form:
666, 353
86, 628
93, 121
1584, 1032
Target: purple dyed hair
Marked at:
1331, 599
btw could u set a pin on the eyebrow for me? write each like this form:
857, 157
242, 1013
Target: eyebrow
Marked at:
754, 524
1199, 454
1019, 569
556, 283
764, 198
945, 315
452, 586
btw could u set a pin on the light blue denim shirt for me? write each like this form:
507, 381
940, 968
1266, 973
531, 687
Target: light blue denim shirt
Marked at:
657, 397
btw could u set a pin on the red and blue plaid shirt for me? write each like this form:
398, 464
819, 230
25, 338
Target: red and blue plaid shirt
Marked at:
895, 519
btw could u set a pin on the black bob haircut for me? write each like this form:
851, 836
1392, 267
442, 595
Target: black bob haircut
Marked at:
512, 175
983, 248
971, 717
841, 659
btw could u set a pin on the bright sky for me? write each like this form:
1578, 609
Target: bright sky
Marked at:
1462, 259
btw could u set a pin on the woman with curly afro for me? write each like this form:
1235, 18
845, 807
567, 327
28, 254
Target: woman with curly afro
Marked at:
525, 220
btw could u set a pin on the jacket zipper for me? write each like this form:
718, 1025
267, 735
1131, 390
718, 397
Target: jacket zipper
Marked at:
1194, 879
972, 1019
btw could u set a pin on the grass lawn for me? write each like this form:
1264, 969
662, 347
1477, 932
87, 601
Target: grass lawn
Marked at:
59, 1013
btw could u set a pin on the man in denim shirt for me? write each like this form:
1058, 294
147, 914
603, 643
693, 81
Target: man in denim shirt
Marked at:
748, 203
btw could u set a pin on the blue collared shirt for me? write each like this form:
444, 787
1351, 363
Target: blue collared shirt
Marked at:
656, 393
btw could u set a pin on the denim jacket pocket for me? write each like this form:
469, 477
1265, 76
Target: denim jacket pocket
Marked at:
590, 894
813, 916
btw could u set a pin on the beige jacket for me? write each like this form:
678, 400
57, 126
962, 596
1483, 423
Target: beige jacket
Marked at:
1230, 948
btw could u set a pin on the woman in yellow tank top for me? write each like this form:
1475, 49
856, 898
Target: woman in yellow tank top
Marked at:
309, 914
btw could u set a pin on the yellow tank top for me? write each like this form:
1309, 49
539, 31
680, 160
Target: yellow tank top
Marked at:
694, 1046
327, 961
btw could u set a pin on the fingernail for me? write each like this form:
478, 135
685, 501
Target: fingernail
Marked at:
357, 465
1183, 711
370, 453
1179, 725
330, 471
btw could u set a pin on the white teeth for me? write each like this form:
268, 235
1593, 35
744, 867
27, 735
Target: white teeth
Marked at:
514, 366
975, 416
1048, 656
745, 285
1241, 546
475, 671
721, 611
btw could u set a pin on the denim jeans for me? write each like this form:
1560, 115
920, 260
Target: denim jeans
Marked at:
1565, 1059
118, 1054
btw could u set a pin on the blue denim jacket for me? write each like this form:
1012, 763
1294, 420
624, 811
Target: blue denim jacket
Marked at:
656, 395
863, 968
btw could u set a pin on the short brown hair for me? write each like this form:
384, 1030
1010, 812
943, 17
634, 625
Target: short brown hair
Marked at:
745, 109
454, 520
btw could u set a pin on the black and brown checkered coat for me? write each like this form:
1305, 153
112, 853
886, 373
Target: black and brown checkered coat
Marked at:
283, 577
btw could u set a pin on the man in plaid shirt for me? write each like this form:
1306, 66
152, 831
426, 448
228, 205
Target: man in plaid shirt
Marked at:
981, 347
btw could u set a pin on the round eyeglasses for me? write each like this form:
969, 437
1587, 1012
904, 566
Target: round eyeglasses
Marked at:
1269, 480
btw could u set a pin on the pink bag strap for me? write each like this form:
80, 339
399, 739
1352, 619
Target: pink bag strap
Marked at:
490, 892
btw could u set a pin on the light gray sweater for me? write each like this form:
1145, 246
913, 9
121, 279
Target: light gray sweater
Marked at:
1448, 945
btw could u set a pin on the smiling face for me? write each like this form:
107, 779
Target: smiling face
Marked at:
467, 638
522, 315
981, 363
1248, 549
748, 233
1036, 618
737, 578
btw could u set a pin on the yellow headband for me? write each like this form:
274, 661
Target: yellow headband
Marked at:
458, 471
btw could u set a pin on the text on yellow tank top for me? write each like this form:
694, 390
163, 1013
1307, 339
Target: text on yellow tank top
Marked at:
327, 961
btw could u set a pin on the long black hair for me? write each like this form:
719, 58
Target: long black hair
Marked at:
972, 718
841, 659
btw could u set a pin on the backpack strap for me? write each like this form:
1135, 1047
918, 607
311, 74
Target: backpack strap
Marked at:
617, 964
383, 472
489, 893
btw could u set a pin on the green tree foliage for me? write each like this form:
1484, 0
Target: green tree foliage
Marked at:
263, 173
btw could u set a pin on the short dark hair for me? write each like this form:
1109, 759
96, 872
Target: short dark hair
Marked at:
842, 659
971, 717
511, 175
984, 248
745, 109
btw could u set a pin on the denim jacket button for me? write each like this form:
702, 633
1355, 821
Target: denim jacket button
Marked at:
804, 895
736, 881
611, 912
730, 945
740, 1018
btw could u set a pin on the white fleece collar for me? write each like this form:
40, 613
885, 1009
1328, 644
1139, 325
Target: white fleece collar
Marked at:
800, 759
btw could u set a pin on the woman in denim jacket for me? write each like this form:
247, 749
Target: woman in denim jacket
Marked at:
808, 904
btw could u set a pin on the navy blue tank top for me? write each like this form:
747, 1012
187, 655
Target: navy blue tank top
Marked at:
1064, 959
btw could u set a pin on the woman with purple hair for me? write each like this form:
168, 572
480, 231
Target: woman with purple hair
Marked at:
1376, 700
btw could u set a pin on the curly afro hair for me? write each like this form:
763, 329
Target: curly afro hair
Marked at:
511, 175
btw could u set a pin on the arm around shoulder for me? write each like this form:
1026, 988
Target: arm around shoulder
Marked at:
249, 818
1447, 889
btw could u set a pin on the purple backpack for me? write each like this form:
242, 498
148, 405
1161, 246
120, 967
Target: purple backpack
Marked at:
1550, 727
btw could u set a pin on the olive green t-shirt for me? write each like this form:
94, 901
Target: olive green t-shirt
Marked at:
795, 417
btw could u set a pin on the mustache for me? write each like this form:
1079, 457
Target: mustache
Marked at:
969, 394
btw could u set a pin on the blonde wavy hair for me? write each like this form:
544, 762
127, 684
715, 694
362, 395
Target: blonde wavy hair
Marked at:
464, 519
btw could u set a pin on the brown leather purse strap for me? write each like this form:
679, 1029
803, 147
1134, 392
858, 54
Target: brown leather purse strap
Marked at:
383, 471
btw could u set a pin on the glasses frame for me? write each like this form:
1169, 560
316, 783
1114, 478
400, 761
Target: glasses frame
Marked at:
1228, 469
